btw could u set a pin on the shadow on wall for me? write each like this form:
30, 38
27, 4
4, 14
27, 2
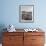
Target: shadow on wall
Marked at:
2, 26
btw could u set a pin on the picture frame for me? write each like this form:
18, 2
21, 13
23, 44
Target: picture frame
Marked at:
26, 13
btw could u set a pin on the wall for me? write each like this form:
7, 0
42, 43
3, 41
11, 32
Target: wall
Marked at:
10, 13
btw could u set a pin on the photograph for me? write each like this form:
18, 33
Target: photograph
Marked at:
26, 13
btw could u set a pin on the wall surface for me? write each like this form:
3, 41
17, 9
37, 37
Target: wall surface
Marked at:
10, 13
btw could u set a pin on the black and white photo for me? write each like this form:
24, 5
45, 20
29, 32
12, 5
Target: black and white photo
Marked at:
26, 13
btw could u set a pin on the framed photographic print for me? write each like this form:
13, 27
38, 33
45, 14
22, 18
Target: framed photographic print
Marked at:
26, 13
